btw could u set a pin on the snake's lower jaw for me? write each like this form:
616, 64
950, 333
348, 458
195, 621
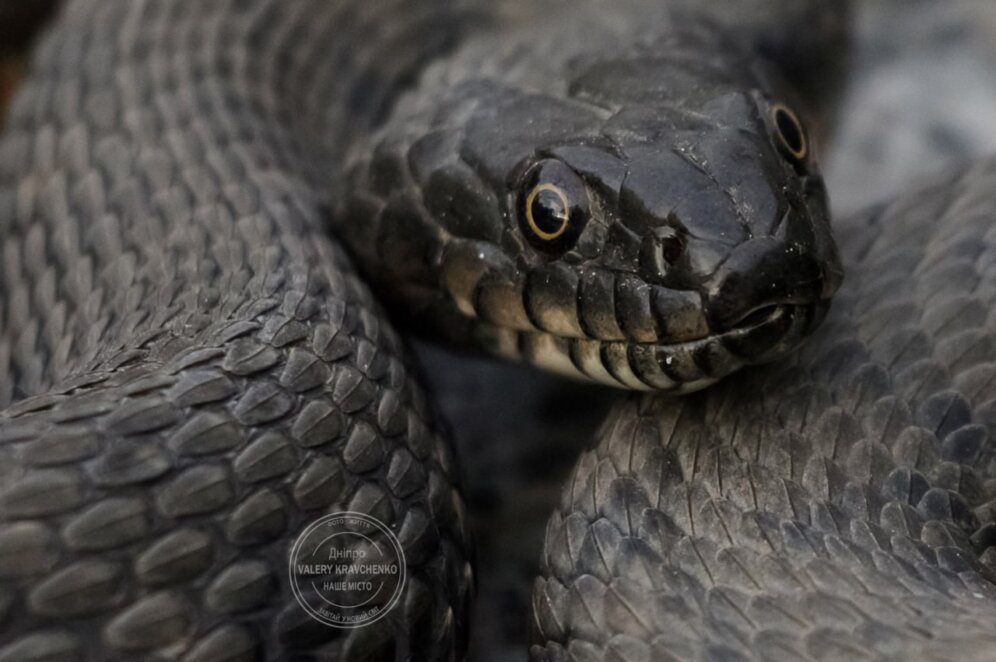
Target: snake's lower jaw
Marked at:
681, 367
771, 333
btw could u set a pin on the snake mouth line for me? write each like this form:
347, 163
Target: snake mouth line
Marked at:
680, 367
758, 317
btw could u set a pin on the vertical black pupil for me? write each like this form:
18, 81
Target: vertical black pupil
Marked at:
548, 211
790, 130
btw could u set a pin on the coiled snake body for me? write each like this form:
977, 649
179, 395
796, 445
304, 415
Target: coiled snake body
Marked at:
205, 373
194, 372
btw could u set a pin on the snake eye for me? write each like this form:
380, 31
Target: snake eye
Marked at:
548, 211
791, 134
553, 207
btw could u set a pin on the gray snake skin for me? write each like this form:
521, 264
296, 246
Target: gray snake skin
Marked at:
198, 373
835, 506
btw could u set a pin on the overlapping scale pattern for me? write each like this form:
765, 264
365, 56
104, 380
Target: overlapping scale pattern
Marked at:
196, 373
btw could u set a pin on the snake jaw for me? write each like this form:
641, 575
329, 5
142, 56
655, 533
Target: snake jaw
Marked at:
675, 367
617, 329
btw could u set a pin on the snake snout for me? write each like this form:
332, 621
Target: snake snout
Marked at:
761, 278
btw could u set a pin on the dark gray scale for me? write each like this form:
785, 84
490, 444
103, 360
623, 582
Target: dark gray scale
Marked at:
835, 505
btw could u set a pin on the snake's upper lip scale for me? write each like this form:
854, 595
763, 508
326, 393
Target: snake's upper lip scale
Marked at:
757, 278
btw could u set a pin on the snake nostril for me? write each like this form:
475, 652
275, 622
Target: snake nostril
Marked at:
671, 248
662, 249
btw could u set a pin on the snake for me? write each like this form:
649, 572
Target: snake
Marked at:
207, 206
837, 505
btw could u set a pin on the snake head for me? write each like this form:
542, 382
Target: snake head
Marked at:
653, 223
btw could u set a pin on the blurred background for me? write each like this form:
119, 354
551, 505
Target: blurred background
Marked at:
922, 99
